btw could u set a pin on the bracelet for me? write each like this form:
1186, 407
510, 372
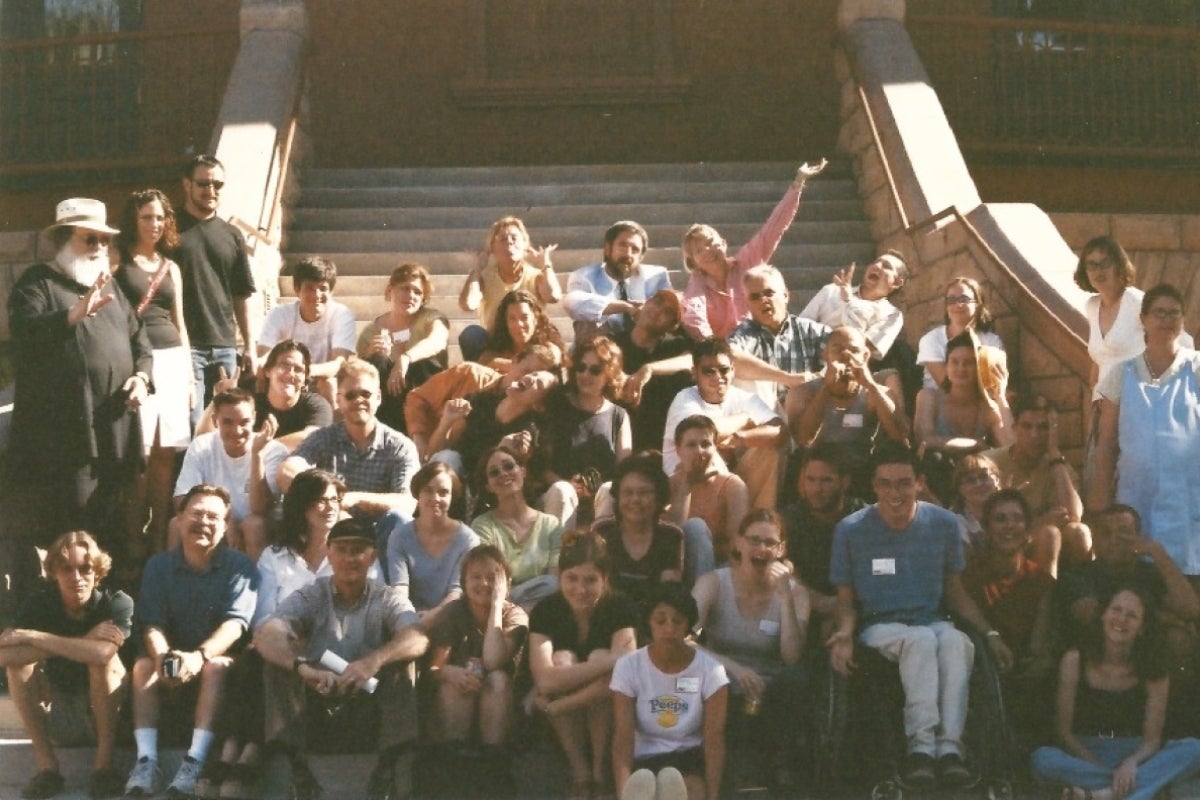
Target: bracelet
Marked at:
992, 634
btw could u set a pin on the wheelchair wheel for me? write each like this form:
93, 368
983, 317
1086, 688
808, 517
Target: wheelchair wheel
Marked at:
999, 790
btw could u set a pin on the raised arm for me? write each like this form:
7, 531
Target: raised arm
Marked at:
1100, 490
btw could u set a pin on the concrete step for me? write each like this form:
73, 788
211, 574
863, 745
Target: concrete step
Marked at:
358, 261
564, 173
594, 216
515, 198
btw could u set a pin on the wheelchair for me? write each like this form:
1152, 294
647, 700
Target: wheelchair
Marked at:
859, 729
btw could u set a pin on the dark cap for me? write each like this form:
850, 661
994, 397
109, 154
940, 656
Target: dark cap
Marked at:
352, 528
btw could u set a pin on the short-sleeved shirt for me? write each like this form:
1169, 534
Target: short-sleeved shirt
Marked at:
207, 462
494, 290
187, 604
419, 328
528, 559
689, 402
386, 466
424, 404
633, 577
335, 330
810, 542
311, 410
44, 611
316, 617
668, 708
282, 571
457, 630
932, 348
428, 579
215, 270
1037, 485
483, 430
554, 619
897, 575
1010, 603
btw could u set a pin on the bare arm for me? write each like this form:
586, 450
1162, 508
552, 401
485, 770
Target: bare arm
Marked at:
245, 323
273, 639
794, 612
472, 291
716, 710
884, 404
1180, 599
624, 724
961, 604
1100, 490
433, 344
177, 309
841, 642
1068, 685
379, 502
551, 679
19, 646
805, 408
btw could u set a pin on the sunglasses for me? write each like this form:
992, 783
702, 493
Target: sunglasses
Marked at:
712, 372
595, 370
754, 297
500, 469
216, 186
358, 394
96, 239
960, 300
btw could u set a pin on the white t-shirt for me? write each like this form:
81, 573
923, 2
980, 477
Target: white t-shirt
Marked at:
689, 402
335, 330
668, 709
206, 462
932, 348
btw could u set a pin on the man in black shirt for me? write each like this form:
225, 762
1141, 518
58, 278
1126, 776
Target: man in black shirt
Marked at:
65, 641
217, 282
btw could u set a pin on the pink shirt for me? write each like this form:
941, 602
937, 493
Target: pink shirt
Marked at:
709, 310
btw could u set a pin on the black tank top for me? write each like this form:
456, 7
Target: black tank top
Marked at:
135, 282
1101, 712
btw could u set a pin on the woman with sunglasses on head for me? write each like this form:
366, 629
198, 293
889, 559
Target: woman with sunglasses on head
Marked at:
520, 321
529, 539
407, 344
976, 478
714, 301
424, 555
151, 282
1148, 436
967, 413
669, 708
965, 309
575, 638
754, 615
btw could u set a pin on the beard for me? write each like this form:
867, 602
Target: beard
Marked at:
620, 268
79, 268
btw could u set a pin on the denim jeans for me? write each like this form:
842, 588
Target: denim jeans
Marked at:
935, 669
206, 365
698, 557
1177, 759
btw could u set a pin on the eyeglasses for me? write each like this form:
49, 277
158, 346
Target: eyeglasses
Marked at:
358, 394
328, 502
754, 297
960, 300
1166, 313
216, 186
712, 372
95, 239
501, 468
759, 541
978, 478
595, 370
1103, 263
205, 516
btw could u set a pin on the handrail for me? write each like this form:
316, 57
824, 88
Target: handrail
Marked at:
1065, 26
865, 104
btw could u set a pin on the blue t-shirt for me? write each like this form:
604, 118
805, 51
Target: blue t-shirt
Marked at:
187, 605
897, 575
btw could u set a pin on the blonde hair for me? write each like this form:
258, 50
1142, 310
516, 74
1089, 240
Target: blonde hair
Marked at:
693, 233
59, 553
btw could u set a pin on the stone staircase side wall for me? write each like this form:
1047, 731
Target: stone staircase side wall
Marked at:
18, 250
942, 226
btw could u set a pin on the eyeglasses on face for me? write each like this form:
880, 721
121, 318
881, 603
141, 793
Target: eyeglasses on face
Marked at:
754, 297
1166, 313
594, 370
502, 468
357, 394
712, 372
759, 541
216, 186
959, 300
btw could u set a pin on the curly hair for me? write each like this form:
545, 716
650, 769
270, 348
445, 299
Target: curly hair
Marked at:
610, 357
1149, 649
58, 554
307, 488
544, 332
647, 464
127, 238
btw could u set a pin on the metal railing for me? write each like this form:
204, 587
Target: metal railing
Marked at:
1029, 86
112, 100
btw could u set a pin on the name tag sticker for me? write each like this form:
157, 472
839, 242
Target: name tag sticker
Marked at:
768, 626
883, 566
852, 420
401, 336
687, 684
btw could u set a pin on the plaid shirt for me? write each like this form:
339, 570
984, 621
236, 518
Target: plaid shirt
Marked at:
387, 465
796, 348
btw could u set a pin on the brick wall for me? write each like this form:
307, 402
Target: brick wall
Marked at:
18, 250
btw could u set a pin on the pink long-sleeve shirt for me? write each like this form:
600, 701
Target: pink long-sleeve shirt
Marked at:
709, 310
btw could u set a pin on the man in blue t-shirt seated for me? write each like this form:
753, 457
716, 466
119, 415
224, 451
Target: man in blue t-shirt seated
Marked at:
896, 565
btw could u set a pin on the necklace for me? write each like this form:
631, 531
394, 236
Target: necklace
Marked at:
1154, 374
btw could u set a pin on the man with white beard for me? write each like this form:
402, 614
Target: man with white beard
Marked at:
82, 363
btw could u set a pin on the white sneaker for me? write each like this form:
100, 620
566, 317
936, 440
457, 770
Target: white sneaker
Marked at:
670, 785
184, 783
640, 786
144, 779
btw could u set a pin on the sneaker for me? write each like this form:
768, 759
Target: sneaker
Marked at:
918, 771
46, 783
641, 785
670, 785
952, 771
184, 782
144, 779
106, 782
304, 783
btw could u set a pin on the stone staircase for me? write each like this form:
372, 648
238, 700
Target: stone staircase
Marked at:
369, 221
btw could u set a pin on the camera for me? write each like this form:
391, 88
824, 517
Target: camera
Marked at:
172, 665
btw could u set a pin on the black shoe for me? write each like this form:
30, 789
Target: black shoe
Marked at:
918, 771
46, 783
952, 771
106, 782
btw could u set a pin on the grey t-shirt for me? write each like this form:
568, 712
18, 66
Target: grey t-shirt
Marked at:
428, 579
353, 631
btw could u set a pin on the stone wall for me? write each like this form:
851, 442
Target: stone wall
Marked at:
18, 250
